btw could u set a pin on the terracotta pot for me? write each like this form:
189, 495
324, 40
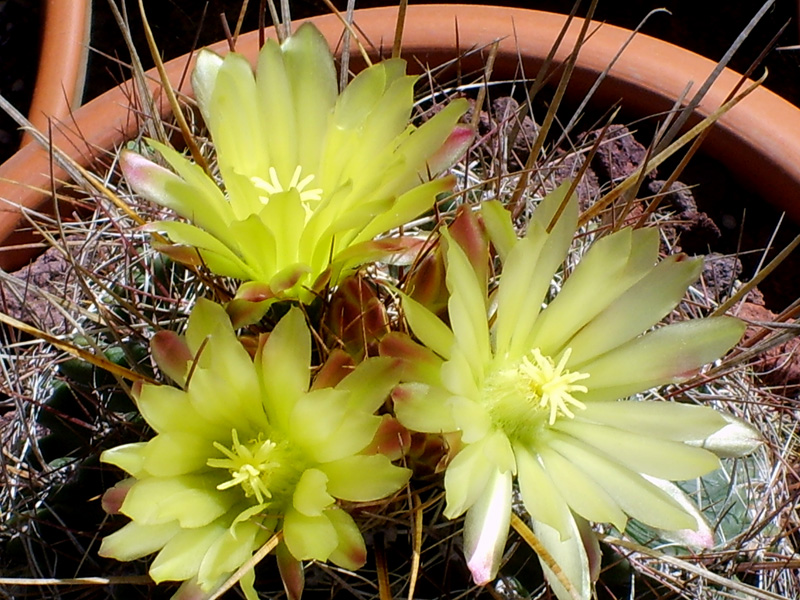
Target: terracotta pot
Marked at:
62, 62
758, 141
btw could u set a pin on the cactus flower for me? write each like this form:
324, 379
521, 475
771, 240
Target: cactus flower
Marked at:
247, 447
539, 394
307, 177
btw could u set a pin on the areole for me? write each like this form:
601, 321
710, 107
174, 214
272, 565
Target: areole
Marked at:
758, 140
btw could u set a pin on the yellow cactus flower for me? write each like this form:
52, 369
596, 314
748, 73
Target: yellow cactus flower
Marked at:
247, 447
307, 177
538, 394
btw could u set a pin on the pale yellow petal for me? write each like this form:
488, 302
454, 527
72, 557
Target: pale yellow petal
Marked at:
541, 497
182, 556
351, 552
311, 495
580, 491
309, 538
644, 454
666, 355
467, 309
569, 554
363, 478
633, 494
192, 500
427, 327
135, 540
662, 420
424, 408
466, 478
285, 363
643, 305
610, 267
486, 528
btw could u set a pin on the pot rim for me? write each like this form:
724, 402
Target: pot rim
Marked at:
63, 57
758, 137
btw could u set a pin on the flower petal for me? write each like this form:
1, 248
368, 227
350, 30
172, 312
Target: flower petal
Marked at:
215, 254
466, 479
392, 439
114, 496
661, 420
420, 147
312, 76
580, 491
204, 76
701, 536
541, 497
424, 408
285, 363
355, 432
233, 116
175, 453
429, 328
417, 363
292, 573
369, 385
275, 99
182, 556
135, 540
486, 528
453, 148
364, 478
172, 355
318, 415
632, 493
309, 538
467, 309
192, 500
128, 457
666, 355
499, 227
229, 551
529, 269
569, 554
408, 206
611, 266
311, 495
735, 440
644, 454
472, 419
351, 553
643, 305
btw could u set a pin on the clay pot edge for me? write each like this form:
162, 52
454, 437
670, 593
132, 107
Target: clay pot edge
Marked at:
759, 140
63, 58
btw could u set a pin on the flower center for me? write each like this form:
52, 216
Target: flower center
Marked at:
521, 397
261, 467
274, 185
551, 385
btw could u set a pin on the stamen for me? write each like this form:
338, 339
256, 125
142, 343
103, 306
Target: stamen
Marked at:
249, 469
274, 186
295, 178
551, 386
